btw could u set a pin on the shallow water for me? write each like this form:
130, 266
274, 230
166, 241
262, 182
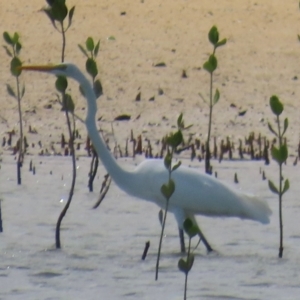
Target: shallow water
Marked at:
102, 248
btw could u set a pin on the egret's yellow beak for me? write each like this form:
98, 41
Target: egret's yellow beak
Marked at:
42, 68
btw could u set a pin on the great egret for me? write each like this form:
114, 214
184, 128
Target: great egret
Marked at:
195, 192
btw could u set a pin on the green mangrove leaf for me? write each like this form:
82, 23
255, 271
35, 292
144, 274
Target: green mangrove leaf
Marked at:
211, 65
183, 266
221, 43
180, 123
18, 47
174, 140
216, 97
8, 38
276, 105
10, 91
59, 10
168, 161
15, 65
213, 35
68, 103
168, 189
91, 67
285, 125
190, 228
271, 129
286, 186
188, 127
98, 90
176, 166
186, 265
90, 44
96, 50
49, 14
71, 14
15, 38
279, 154
83, 50
61, 84
8, 52
273, 188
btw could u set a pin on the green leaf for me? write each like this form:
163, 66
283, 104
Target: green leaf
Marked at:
280, 154
211, 65
15, 65
61, 84
71, 13
216, 97
186, 265
90, 44
59, 10
174, 140
271, 129
15, 38
91, 67
183, 266
298, 37
10, 91
286, 186
213, 35
180, 123
8, 52
83, 50
285, 126
190, 228
18, 47
273, 188
188, 127
276, 105
49, 14
8, 38
168, 189
68, 104
221, 43
98, 90
96, 50
176, 166
111, 38
168, 161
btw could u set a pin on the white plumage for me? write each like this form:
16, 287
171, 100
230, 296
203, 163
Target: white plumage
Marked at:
195, 192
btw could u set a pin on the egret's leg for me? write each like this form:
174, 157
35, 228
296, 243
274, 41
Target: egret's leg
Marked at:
201, 235
181, 237
204, 240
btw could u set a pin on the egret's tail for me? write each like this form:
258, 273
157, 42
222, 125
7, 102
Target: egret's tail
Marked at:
257, 209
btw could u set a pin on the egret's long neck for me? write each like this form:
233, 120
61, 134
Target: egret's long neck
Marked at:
118, 174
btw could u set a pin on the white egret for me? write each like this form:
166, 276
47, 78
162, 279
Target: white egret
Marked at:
195, 192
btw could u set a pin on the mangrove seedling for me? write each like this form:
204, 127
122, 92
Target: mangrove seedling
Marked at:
91, 51
57, 11
280, 155
210, 66
13, 49
173, 140
185, 265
